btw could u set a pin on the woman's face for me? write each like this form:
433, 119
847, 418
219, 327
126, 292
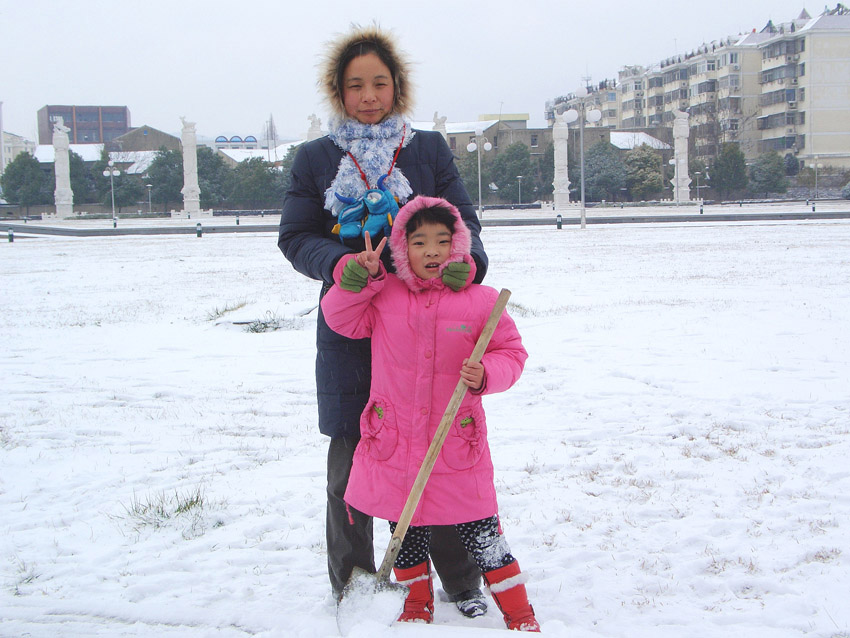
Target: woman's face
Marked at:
367, 89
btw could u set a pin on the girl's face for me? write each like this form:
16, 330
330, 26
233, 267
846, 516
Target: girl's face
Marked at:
428, 247
367, 89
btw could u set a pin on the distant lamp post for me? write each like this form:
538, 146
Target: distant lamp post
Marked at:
475, 145
111, 172
150, 188
816, 166
582, 114
698, 173
519, 199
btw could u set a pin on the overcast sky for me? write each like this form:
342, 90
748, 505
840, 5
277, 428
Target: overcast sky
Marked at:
227, 65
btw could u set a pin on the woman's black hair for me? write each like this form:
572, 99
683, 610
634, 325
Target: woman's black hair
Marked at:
432, 215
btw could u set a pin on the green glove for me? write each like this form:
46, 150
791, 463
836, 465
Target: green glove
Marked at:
456, 274
354, 276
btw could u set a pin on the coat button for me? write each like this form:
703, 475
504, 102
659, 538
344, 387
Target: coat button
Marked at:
424, 411
428, 354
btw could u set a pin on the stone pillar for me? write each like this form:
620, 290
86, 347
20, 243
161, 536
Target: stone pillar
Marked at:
681, 182
63, 196
191, 191
561, 183
440, 125
315, 130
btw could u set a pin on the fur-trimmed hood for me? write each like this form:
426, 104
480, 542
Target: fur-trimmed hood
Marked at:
347, 46
461, 241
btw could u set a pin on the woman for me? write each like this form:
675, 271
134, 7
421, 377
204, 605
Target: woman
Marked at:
370, 148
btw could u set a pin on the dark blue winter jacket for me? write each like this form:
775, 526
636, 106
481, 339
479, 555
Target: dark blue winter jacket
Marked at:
343, 366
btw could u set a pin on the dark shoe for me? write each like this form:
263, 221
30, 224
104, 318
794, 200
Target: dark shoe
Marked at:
471, 603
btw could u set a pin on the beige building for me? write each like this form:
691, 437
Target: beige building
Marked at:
785, 88
805, 80
14, 145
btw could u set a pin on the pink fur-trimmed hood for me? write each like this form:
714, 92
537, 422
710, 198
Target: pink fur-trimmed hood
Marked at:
461, 241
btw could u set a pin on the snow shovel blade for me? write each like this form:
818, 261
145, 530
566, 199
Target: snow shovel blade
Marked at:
368, 598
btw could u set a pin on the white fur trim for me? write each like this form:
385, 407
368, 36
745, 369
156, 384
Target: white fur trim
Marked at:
408, 583
508, 583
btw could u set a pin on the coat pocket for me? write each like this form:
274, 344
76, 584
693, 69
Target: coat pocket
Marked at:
464, 443
378, 429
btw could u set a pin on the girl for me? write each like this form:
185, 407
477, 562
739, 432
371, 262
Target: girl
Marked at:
366, 83
422, 330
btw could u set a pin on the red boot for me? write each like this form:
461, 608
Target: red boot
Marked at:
507, 587
419, 605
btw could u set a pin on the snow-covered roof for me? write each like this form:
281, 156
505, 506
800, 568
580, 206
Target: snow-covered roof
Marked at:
270, 155
453, 128
89, 152
139, 160
824, 22
627, 140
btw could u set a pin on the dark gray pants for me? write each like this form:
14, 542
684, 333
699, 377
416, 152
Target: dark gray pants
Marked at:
350, 539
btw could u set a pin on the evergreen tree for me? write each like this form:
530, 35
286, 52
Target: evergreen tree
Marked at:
467, 166
604, 173
165, 174
767, 174
128, 191
25, 183
643, 171
792, 165
546, 172
214, 177
254, 184
729, 173
513, 161
285, 175
82, 180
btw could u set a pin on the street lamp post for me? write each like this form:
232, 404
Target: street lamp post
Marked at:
816, 167
474, 145
111, 172
149, 187
581, 114
697, 173
519, 199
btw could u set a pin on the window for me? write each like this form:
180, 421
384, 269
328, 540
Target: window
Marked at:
453, 143
534, 141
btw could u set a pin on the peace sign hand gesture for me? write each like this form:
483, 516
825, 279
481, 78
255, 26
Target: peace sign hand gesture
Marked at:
371, 259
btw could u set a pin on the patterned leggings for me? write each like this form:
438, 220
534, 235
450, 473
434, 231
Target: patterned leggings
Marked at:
481, 539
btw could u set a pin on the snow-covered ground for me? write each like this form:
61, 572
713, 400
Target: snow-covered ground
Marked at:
673, 462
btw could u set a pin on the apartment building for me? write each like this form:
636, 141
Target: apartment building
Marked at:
805, 79
784, 88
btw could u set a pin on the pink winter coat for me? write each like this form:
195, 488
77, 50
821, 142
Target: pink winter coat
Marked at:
421, 332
